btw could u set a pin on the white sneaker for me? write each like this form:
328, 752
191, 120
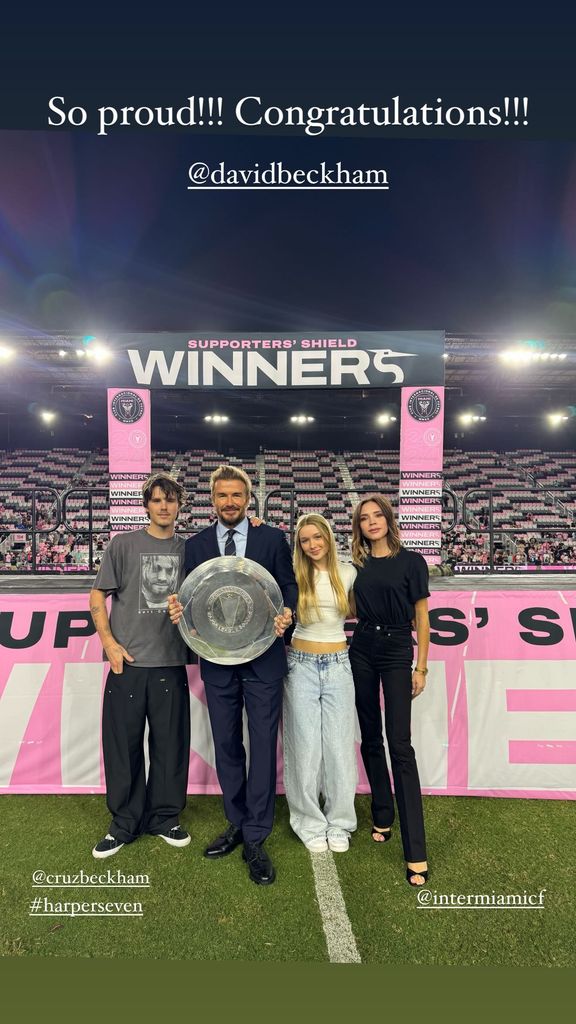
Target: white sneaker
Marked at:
338, 841
317, 845
175, 836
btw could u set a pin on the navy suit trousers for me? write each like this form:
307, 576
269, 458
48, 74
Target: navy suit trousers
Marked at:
248, 795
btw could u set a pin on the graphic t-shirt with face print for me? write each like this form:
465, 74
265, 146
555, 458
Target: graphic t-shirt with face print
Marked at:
140, 572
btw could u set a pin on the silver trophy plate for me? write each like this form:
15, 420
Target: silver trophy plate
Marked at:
229, 606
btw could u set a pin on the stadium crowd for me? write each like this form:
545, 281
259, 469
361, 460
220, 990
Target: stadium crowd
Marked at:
462, 547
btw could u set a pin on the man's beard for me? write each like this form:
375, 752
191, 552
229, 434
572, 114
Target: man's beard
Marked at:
232, 517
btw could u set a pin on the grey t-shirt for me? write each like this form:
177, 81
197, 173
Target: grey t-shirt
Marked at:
140, 572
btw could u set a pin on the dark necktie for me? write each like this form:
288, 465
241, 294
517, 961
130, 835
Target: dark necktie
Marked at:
230, 547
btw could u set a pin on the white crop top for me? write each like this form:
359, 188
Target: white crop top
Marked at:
329, 626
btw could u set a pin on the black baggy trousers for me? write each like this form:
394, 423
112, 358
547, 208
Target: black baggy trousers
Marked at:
161, 697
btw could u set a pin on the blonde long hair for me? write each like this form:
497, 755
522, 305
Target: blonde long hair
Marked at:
304, 570
361, 547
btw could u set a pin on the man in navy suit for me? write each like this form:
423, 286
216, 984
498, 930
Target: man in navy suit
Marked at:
257, 685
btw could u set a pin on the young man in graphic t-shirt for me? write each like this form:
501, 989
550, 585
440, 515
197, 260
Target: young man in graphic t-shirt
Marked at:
147, 680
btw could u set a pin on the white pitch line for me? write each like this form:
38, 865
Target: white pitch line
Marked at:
342, 948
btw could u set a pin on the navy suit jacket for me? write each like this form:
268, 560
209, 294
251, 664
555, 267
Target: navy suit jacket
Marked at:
268, 546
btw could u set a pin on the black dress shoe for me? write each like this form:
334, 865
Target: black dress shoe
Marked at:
259, 864
224, 844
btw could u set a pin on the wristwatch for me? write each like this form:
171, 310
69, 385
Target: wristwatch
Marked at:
423, 671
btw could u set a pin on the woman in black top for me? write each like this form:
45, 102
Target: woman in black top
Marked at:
391, 591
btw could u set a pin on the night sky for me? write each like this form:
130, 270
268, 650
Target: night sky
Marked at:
101, 234
477, 232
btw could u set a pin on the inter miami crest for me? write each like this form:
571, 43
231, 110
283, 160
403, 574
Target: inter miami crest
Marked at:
424, 405
127, 407
230, 609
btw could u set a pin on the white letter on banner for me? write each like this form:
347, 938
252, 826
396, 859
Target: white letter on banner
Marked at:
146, 750
258, 362
193, 368
233, 373
80, 723
18, 701
430, 729
358, 364
491, 726
155, 359
201, 741
307, 362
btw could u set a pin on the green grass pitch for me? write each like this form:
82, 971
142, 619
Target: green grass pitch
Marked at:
200, 910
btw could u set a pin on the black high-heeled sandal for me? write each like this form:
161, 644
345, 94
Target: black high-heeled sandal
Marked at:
386, 835
410, 874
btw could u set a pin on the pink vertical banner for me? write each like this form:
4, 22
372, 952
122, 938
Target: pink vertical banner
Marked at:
421, 459
129, 456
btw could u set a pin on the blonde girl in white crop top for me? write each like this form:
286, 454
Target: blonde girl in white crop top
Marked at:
319, 711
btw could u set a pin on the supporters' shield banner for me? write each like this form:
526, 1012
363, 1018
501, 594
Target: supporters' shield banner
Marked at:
229, 608
279, 359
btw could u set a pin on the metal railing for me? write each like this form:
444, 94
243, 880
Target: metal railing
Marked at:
67, 523
498, 534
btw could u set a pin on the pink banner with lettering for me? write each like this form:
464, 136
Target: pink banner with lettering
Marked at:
421, 458
129, 456
497, 718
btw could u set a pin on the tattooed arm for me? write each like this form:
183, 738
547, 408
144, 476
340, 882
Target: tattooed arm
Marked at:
115, 653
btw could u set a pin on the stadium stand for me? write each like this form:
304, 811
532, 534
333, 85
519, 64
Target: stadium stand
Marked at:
534, 500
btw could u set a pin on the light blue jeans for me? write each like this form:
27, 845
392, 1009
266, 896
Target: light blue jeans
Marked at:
319, 720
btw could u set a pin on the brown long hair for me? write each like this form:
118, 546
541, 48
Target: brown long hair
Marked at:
167, 483
360, 545
304, 570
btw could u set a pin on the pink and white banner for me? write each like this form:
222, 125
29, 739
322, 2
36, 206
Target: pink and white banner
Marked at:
421, 456
497, 718
129, 456
468, 567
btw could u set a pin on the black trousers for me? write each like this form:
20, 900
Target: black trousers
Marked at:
161, 696
383, 655
249, 797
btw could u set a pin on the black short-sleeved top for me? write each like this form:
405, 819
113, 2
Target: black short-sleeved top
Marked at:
386, 589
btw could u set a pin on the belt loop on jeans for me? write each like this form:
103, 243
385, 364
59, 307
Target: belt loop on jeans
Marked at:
326, 658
